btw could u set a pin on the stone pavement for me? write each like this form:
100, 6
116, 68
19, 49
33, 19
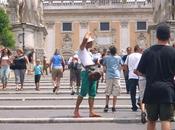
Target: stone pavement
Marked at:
30, 106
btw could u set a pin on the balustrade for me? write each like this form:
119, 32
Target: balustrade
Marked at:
63, 4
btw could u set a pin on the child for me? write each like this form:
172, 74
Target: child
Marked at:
38, 72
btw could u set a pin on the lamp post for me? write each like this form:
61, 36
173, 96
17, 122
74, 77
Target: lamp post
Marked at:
23, 36
173, 8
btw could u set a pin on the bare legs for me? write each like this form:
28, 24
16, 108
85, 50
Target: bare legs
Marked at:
56, 83
91, 107
165, 125
76, 111
151, 125
113, 105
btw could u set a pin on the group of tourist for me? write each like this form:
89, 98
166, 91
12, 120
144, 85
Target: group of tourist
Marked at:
152, 70
17, 62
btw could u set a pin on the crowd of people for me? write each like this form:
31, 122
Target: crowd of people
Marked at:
151, 70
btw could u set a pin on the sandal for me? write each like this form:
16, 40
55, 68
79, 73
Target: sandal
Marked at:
143, 117
17, 88
55, 89
20, 89
37, 89
94, 115
76, 115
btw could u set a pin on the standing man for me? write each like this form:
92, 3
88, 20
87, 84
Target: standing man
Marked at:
113, 64
87, 86
45, 65
158, 65
125, 71
131, 62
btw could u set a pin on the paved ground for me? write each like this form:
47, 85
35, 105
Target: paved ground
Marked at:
80, 126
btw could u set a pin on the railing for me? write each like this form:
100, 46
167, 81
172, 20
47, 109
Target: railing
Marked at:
75, 4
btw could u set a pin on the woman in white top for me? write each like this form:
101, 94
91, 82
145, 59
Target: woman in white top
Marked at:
5, 66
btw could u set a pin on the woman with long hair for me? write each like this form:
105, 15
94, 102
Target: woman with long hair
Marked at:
5, 66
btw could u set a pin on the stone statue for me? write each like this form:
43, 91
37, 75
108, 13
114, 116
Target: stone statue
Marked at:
28, 11
37, 11
161, 10
67, 42
16, 6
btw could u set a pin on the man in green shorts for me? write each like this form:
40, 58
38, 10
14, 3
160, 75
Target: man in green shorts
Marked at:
87, 86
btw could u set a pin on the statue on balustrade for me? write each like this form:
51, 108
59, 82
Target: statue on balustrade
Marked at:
28, 11
161, 10
15, 5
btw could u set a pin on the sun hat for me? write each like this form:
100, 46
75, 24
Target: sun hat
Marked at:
90, 39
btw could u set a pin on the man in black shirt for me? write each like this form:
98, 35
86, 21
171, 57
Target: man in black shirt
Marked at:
157, 64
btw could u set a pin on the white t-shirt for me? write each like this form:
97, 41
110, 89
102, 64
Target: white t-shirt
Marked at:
85, 57
140, 77
132, 61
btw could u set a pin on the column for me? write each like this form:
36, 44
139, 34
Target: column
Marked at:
50, 40
83, 30
124, 36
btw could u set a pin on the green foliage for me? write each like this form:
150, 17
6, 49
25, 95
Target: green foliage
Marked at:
4, 20
7, 38
6, 35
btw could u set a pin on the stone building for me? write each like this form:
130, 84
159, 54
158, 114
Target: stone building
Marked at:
121, 23
163, 11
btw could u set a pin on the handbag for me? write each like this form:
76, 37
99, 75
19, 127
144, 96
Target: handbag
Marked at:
12, 66
93, 74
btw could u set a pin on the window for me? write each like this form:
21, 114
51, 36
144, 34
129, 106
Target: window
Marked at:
104, 26
67, 26
141, 26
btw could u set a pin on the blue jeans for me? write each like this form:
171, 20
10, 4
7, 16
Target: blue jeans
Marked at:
5, 71
133, 85
126, 80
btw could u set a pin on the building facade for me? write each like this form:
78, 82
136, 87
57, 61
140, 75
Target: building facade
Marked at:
112, 22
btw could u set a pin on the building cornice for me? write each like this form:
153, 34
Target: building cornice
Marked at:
98, 11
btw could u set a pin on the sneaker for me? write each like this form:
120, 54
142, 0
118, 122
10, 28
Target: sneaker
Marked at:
143, 117
106, 108
134, 109
72, 93
113, 109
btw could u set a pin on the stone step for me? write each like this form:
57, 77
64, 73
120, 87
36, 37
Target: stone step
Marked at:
56, 98
59, 107
50, 84
46, 87
70, 120
47, 92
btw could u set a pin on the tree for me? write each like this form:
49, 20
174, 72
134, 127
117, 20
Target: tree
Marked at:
6, 35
